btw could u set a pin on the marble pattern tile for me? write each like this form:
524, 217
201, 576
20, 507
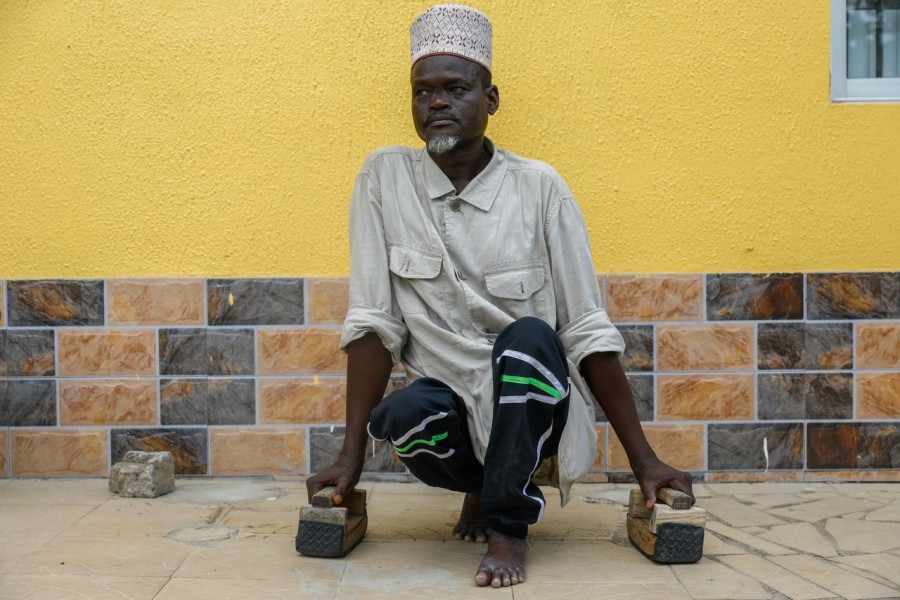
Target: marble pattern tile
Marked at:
781, 396
30, 352
300, 352
97, 557
638, 347
4, 403
828, 346
710, 580
183, 401
678, 445
257, 450
231, 402
704, 397
641, 390
878, 396
575, 591
2, 353
19, 520
805, 396
836, 580
778, 578
31, 402
52, 452
50, 587
296, 588
183, 352
655, 298
880, 564
805, 346
704, 347
107, 402
255, 301
230, 351
737, 514
327, 300
4, 460
188, 446
55, 302
853, 445
854, 535
116, 519
99, 353
302, 400
257, 557
325, 445
826, 508
803, 536
754, 297
740, 446
155, 301
853, 296
878, 345
759, 546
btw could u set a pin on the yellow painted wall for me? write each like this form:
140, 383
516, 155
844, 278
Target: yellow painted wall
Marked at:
220, 138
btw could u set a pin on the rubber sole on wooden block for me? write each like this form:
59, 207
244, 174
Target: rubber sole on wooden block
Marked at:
673, 542
329, 540
320, 539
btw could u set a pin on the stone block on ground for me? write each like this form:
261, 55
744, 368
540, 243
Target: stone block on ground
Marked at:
143, 475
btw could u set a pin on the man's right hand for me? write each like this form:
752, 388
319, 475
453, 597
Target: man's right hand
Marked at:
343, 475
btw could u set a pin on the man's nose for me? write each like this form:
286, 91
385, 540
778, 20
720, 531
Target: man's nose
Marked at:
438, 101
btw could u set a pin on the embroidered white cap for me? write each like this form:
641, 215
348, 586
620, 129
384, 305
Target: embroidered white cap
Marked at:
451, 29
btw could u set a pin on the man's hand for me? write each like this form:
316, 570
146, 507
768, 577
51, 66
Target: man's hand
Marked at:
343, 475
654, 474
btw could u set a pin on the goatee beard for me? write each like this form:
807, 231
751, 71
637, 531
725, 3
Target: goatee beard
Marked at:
441, 144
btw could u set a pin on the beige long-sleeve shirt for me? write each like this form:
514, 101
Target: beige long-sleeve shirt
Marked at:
437, 275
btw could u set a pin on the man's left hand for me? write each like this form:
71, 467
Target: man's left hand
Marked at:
654, 474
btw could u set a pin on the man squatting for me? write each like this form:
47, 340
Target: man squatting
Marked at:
471, 266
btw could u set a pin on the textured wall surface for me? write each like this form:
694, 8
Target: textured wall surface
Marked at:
222, 139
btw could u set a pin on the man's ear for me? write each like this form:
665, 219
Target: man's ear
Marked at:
493, 98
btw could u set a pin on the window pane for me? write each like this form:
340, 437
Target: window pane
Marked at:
873, 38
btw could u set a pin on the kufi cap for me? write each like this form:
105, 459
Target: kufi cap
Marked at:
451, 29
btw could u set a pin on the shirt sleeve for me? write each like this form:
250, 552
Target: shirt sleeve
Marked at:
582, 323
373, 307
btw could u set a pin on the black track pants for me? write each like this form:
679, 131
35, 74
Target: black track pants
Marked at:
426, 423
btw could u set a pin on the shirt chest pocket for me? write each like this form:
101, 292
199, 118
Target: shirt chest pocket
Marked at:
515, 282
418, 288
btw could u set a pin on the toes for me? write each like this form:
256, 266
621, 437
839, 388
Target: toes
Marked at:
481, 536
483, 577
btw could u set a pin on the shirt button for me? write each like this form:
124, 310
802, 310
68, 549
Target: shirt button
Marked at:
454, 205
460, 276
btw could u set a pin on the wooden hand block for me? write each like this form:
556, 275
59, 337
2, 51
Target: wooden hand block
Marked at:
637, 504
666, 514
332, 531
354, 500
675, 542
674, 498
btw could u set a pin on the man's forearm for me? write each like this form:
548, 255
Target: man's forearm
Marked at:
606, 379
368, 370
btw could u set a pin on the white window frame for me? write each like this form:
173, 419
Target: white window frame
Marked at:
854, 90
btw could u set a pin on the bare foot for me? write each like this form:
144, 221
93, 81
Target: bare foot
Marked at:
504, 563
472, 525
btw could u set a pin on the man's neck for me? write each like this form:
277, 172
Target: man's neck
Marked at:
462, 164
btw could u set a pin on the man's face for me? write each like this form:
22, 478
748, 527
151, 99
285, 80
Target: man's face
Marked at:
449, 100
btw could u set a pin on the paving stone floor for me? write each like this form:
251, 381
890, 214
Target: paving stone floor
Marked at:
234, 538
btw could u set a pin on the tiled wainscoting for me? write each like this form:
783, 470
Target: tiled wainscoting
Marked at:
736, 377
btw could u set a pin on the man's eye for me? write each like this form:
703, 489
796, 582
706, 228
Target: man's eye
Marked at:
421, 92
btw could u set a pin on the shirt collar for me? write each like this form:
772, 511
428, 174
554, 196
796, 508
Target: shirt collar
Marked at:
480, 192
